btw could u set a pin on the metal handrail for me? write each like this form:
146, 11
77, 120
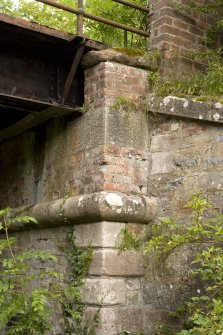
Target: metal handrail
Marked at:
81, 14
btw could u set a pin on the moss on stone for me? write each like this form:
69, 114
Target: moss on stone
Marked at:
130, 52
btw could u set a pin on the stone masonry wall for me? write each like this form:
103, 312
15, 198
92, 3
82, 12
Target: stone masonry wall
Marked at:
114, 165
186, 154
186, 157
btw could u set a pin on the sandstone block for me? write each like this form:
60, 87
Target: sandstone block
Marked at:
133, 298
110, 263
153, 317
104, 291
133, 284
98, 234
115, 320
109, 55
162, 162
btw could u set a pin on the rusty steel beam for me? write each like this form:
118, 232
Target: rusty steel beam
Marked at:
133, 5
39, 70
33, 75
34, 119
95, 17
73, 71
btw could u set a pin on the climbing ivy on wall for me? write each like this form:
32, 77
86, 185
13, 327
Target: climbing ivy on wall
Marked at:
26, 301
23, 311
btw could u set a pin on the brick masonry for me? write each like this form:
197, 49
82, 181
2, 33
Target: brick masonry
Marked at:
176, 32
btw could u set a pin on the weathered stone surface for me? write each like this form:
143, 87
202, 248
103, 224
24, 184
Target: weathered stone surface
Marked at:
93, 58
99, 234
134, 298
110, 263
67, 157
187, 108
103, 206
104, 291
162, 162
153, 318
114, 320
133, 284
109, 161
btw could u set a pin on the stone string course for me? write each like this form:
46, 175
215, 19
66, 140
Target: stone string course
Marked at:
185, 108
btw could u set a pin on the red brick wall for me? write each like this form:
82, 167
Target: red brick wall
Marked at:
175, 31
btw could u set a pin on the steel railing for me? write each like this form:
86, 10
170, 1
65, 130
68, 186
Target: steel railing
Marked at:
81, 14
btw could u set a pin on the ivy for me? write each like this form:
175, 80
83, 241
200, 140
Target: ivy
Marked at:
73, 308
28, 311
22, 312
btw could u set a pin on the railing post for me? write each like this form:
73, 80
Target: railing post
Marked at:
80, 18
125, 39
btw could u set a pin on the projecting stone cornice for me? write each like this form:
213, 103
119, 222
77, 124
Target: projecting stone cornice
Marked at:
186, 108
148, 61
101, 206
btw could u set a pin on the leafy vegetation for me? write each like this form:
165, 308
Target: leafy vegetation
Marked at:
79, 259
59, 19
204, 85
27, 302
205, 310
23, 312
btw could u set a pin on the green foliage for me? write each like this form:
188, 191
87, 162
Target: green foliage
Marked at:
27, 311
21, 311
79, 259
124, 103
129, 105
65, 21
43, 14
208, 83
129, 241
205, 310
132, 52
117, 12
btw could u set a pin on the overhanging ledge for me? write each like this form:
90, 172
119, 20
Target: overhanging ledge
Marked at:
185, 108
101, 206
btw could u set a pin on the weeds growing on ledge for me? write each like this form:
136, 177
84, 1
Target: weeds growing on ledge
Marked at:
208, 85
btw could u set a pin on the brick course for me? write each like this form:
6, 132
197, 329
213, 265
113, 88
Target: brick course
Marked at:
177, 32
